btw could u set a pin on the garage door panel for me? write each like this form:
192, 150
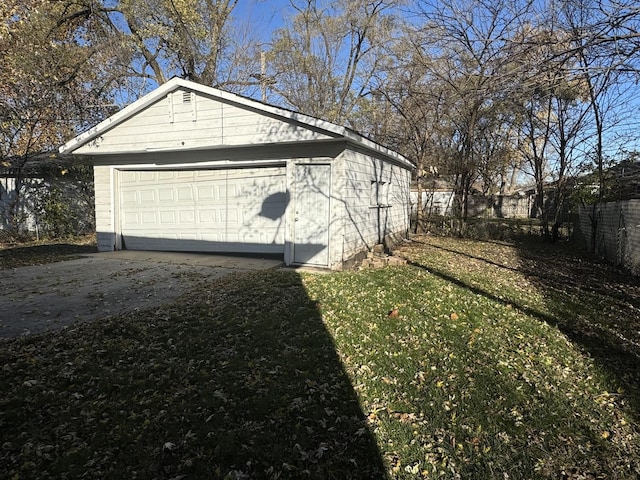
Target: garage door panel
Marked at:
207, 216
128, 176
205, 193
131, 219
212, 237
187, 217
165, 175
166, 195
147, 196
129, 198
229, 217
149, 218
167, 218
236, 210
185, 194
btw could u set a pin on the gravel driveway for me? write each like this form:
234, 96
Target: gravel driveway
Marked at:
40, 298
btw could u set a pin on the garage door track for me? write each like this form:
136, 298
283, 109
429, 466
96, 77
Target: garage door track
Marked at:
46, 297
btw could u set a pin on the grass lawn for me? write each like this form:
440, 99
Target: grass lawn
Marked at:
501, 362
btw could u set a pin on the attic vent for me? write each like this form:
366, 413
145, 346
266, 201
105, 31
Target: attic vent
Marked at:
182, 105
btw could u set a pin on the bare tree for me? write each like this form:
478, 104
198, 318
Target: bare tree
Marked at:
468, 46
414, 123
323, 62
604, 46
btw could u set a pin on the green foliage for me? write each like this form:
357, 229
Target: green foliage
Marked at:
64, 201
46, 89
587, 190
618, 182
56, 217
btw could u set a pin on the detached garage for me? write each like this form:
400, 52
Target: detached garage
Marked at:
193, 168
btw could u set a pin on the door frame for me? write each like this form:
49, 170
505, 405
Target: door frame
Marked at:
290, 241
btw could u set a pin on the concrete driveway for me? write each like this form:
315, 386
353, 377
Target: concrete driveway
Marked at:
40, 298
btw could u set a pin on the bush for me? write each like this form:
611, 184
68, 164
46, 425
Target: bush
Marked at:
64, 204
504, 229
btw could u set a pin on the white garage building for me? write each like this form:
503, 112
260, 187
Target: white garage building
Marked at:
192, 168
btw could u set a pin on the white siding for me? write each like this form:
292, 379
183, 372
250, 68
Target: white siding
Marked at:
25, 209
104, 210
361, 225
171, 124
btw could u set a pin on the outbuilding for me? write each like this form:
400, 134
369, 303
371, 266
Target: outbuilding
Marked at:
193, 168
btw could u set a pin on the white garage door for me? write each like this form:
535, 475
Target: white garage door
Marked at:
234, 210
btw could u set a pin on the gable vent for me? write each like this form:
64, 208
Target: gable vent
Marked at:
186, 97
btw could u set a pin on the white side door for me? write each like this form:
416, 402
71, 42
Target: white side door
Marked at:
312, 187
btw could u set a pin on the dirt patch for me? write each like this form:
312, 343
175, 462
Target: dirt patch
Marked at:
39, 298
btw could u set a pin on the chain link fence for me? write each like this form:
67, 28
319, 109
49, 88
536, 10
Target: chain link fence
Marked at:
612, 231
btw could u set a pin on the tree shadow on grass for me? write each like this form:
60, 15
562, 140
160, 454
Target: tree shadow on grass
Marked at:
238, 380
595, 305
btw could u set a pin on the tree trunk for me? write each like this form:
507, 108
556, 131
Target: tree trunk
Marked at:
418, 204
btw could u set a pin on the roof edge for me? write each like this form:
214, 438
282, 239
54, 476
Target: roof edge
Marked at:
119, 117
175, 83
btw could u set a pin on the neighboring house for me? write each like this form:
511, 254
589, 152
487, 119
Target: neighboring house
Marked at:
438, 201
434, 202
192, 168
518, 204
15, 211
625, 177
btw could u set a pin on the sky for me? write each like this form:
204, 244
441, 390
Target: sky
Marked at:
269, 15
263, 17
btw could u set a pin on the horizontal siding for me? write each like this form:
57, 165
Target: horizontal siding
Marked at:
364, 225
104, 218
206, 123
